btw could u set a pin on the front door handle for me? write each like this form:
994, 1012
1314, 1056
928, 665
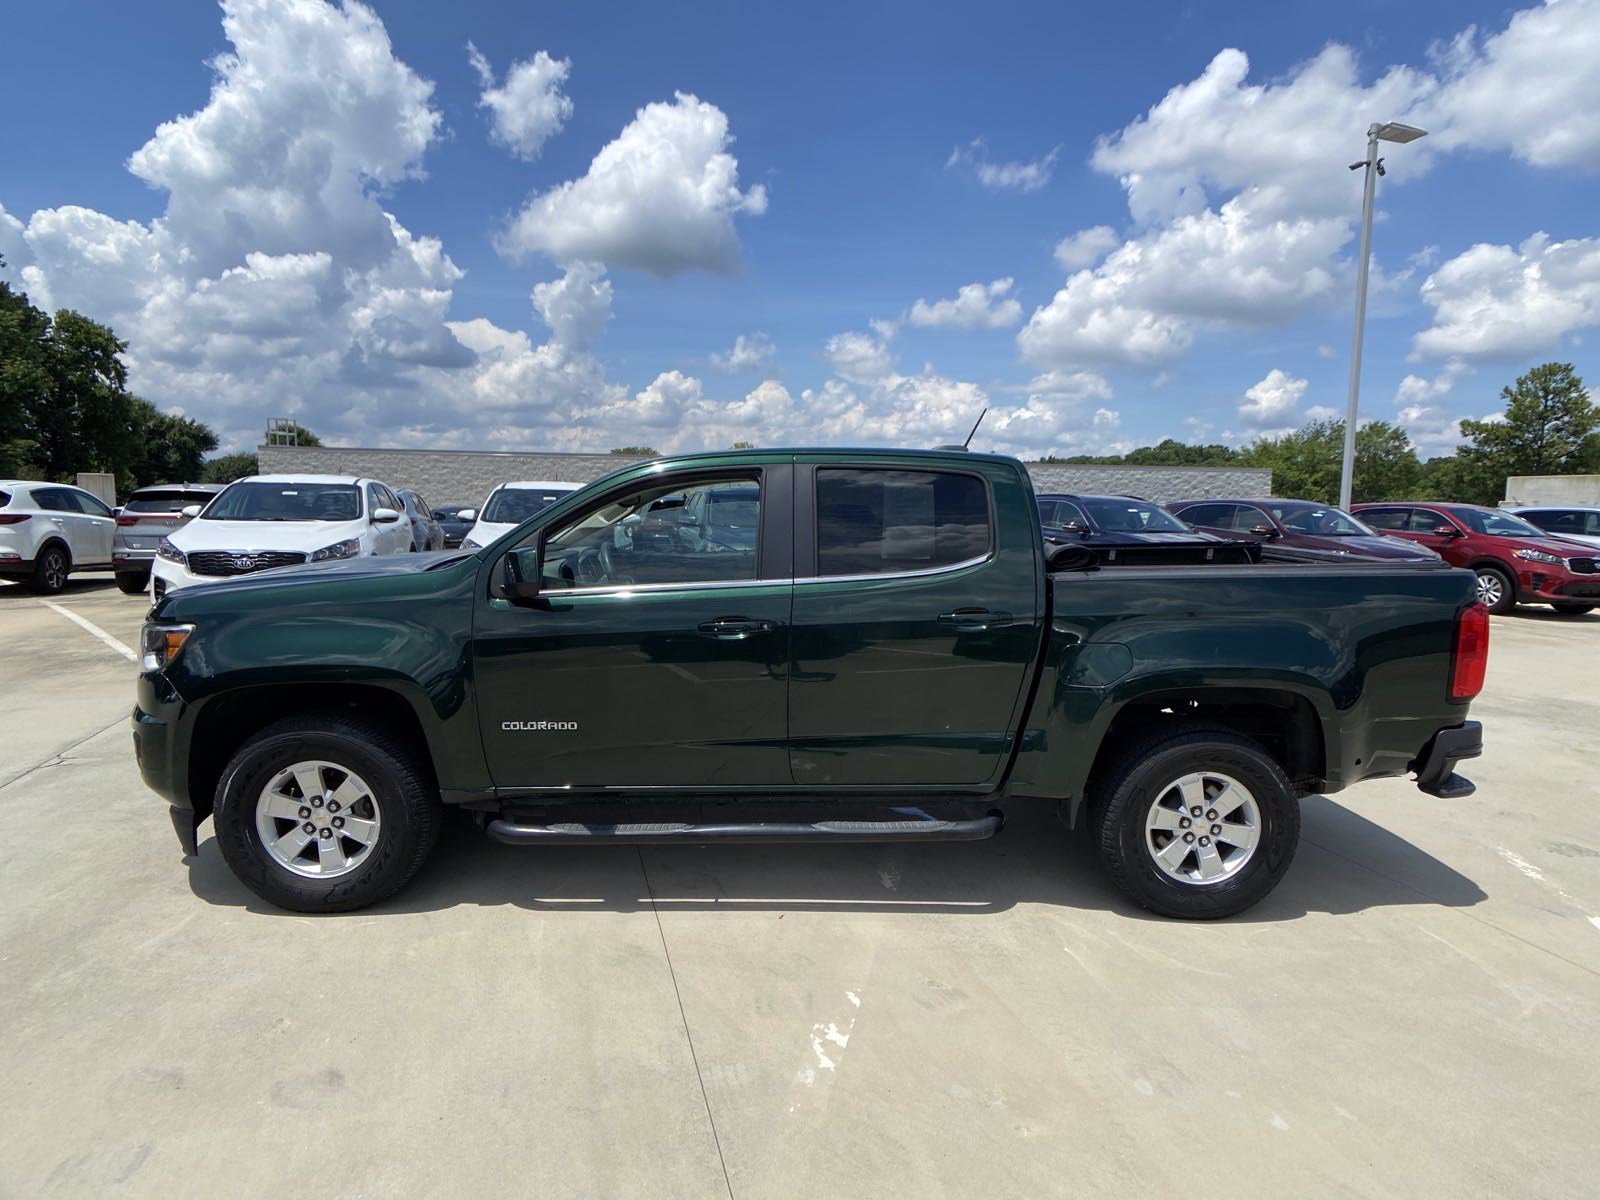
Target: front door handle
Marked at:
974, 620
734, 629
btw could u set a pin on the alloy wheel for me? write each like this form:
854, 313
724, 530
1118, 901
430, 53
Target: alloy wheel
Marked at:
318, 819
1202, 828
55, 570
1491, 590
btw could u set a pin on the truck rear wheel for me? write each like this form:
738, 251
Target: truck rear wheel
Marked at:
1198, 824
324, 813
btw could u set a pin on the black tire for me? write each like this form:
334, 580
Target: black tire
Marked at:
1148, 770
50, 569
133, 582
403, 791
1507, 589
1567, 609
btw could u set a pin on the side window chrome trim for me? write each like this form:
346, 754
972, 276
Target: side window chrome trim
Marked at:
623, 589
919, 573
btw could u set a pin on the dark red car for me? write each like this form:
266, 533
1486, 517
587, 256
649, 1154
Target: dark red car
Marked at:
1517, 563
1308, 529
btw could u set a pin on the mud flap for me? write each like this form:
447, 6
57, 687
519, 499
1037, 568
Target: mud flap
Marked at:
186, 824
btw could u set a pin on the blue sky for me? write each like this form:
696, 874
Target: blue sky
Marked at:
803, 177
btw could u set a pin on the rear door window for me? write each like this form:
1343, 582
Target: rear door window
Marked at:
878, 521
1386, 518
1217, 516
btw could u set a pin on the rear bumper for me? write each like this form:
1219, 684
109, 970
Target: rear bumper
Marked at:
1435, 766
15, 568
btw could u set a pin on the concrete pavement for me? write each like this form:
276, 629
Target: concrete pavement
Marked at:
1415, 1011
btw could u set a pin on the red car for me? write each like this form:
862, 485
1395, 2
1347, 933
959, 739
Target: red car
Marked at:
1307, 529
1517, 563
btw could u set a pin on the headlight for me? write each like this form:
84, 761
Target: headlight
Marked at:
160, 644
469, 544
171, 553
1540, 556
349, 548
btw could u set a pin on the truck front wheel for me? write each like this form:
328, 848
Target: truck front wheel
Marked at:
325, 813
1198, 824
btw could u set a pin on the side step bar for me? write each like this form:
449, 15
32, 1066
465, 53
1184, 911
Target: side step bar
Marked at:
745, 832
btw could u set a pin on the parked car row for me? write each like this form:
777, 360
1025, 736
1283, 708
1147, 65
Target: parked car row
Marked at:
1520, 556
173, 535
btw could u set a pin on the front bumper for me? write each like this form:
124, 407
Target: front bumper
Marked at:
161, 722
1435, 766
1550, 584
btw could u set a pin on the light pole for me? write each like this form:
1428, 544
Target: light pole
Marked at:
1389, 131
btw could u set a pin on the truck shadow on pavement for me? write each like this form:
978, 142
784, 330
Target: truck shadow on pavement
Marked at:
1346, 864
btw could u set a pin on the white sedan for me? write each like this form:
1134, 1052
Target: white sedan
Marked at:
267, 521
49, 530
509, 505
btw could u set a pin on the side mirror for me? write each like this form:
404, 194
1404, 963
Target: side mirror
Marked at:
520, 574
1448, 531
191, 510
1075, 527
467, 514
1266, 531
384, 516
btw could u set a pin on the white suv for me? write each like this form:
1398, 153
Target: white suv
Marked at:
509, 505
267, 521
49, 530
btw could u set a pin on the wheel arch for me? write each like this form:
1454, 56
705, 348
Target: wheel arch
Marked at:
1284, 721
227, 720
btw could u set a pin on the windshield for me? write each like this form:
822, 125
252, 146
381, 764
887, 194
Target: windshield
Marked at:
254, 501
1499, 524
513, 505
1132, 516
1320, 521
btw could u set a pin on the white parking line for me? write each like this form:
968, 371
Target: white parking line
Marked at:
105, 637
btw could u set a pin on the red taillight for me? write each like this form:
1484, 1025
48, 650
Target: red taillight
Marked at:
1471, 658
127, 520
14, 518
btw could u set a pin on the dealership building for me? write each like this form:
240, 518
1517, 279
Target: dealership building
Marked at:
467, 476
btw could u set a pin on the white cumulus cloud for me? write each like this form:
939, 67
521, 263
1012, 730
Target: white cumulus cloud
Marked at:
1086, 247
1273, 400
528, 108
975, 306
661, 197
750, 352
1497, 301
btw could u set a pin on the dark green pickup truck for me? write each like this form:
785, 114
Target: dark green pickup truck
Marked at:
822, 645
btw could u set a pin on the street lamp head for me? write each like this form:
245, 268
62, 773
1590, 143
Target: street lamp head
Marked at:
1394, 131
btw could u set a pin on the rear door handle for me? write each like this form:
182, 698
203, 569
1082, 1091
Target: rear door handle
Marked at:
974, 620
733, 629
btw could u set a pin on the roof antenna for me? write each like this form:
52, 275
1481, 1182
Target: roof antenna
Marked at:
975, 425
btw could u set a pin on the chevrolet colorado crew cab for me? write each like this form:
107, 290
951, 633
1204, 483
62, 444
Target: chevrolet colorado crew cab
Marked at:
824, 645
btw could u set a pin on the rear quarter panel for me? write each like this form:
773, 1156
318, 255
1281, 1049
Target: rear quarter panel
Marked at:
1367, 647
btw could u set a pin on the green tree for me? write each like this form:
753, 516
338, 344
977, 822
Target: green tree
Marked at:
1172, 453
86, 422
1548, 428
1460, 480
1305, 464
225, 468
25, 382
743, 446
301, 435
168, 448
636, 451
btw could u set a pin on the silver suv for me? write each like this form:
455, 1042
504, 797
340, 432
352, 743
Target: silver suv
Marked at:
150, 514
